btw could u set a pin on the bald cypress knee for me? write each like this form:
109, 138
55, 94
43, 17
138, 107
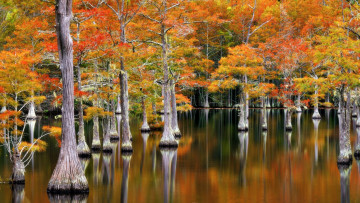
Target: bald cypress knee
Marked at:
68, 175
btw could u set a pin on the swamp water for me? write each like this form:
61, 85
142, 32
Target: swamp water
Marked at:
214, 163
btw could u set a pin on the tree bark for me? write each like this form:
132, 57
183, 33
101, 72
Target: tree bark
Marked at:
107, 148
167, 139
264, 125
114, 136
82, 147
96, 145
242, 114
298, 104
31, 113
18, 171
345, 155
206, 105
174, 116
118, 107
68, 175
288, 125
145, 126
316, 114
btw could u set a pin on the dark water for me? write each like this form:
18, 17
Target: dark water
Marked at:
214, 163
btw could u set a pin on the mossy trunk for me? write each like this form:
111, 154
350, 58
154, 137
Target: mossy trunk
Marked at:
96, 145
68, 175
174, 116
145, 126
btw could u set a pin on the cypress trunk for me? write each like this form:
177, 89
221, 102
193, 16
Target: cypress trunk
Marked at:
145, 126
68, 175
288, 125
114, 136
31, 114
174, 117
18, 170
96, 145
316, 114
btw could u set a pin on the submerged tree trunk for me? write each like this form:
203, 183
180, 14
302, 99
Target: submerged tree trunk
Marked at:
174, 117
167, 139
345, 155
18, 171
18, 193
114, 136
145, 126
82, 147
31, 113
316, 114
288, 125
96, 145
68, 175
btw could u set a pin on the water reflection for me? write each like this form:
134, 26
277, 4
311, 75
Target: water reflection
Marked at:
316, 129
243, 152
168, 163
145, 136
344, 183
18, 193
125, 177
73, 198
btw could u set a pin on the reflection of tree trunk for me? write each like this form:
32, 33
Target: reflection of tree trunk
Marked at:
244, 141
96, 159
344, 183
32, 130
167, 155
173, 176
357, 146
60, 198
18, 193
145, 137
125, 177
316, 129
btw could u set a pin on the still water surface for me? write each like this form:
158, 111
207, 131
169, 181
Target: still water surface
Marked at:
214, 163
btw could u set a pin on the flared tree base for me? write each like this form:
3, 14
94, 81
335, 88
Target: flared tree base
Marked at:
316, 116
145, 130
345, 161
288, 128
107, 148
177, 135
114, 137
168, 144
126, 148
83, 150
243, 129
96, 145
357, 154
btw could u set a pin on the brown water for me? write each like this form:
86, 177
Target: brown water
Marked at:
214, 163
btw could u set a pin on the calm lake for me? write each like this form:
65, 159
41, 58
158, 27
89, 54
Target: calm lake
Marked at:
214, 163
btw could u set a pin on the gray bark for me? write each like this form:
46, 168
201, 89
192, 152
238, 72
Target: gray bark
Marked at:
174, 116
345, 155
113, 133
82, 147
107, 148
264, 125
96, 145
298, 104
167, 139
145, 126
118, 106
68, 175
31, 113
288, 113
18, 170
316, 114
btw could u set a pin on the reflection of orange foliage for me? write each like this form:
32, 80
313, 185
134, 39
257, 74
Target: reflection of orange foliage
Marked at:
54, 132
184, 146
